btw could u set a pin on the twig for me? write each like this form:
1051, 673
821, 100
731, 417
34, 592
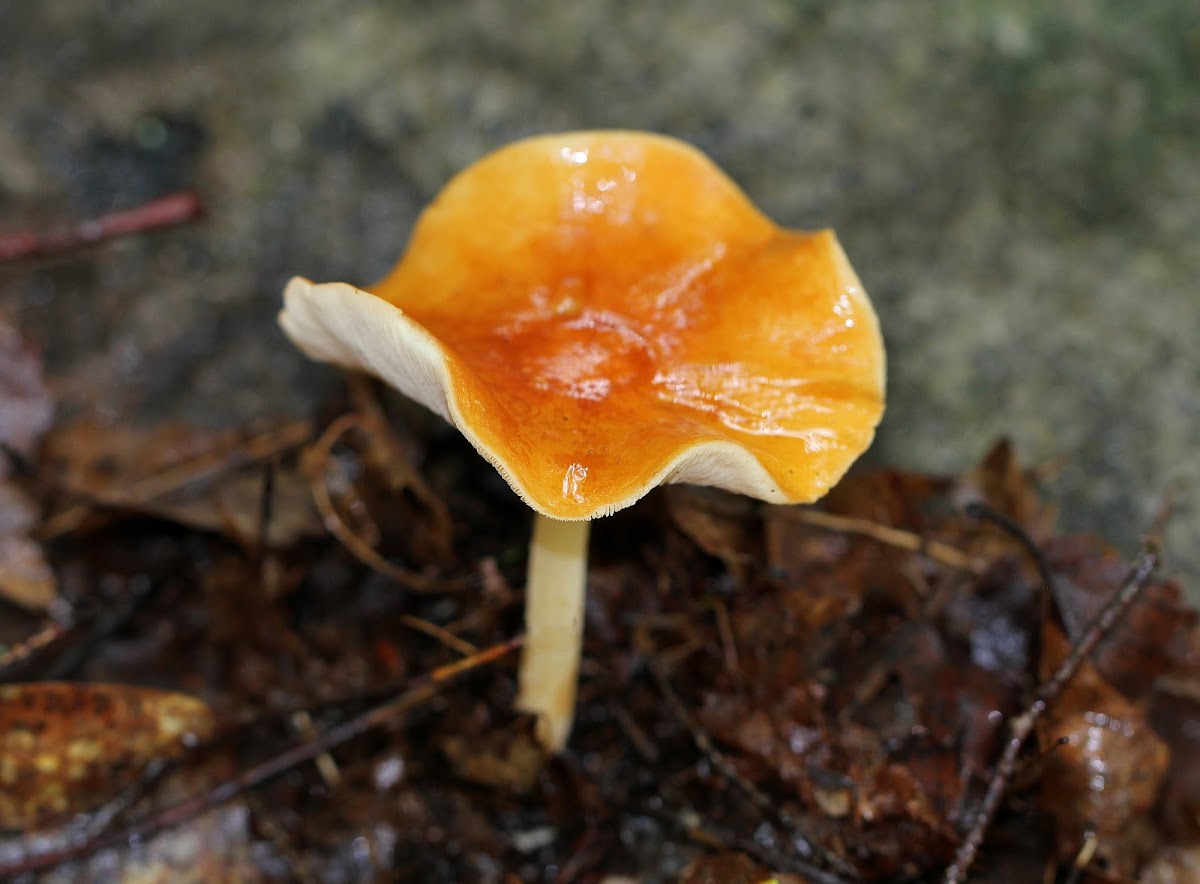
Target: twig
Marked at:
166, 211
320, 454
979, 510
445, 636
729, 649
1022, 726
421, 689
26, 648
942, 553
325, 764
586, 850
394, 459
266, 512
642, 744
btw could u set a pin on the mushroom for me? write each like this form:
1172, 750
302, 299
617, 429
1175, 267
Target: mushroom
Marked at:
598, 313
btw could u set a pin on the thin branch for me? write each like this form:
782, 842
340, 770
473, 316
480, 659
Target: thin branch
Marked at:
1022, 726
319, 456
29, 646
978, 509
166, 211
443, 635
942, 553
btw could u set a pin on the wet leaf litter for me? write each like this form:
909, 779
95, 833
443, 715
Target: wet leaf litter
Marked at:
766, 692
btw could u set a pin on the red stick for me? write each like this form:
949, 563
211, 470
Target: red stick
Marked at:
166, 211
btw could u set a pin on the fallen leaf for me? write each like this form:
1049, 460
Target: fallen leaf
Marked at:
1104, 765
180, 473
234, 507
1175, 714
728, 867
1000, 481
64, 747
25, 577
1151, 639
507, 759
26, 410
26, 407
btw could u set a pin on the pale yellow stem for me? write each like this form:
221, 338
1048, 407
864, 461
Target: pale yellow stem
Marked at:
554, 599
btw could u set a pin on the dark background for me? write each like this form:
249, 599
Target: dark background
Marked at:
1016, 182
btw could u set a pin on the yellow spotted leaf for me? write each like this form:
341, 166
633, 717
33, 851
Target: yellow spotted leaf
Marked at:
66, 748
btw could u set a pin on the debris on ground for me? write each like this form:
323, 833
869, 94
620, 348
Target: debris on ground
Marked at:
285, 653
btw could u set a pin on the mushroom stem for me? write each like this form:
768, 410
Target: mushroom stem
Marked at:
554, 598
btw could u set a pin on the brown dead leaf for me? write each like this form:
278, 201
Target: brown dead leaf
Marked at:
507, 759
1105, 775
26, 407
25, 576
1175, 713
103, 459
26, 410
66, 747
890, 497
1000, 481
177, 472
728, 867
858, 801
1153, 637
234, 508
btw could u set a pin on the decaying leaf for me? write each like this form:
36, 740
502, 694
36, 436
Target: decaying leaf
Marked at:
731, 868
1008, 487
26, 410
25, 577
234, 507
1151, 640
1104, 768
26, 407
507, 759
1175, 714
182, 474
1109, 756
64, 747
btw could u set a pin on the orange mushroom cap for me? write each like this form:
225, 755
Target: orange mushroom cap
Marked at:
601, 312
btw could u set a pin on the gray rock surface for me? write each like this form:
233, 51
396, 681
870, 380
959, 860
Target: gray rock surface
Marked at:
1017, 182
